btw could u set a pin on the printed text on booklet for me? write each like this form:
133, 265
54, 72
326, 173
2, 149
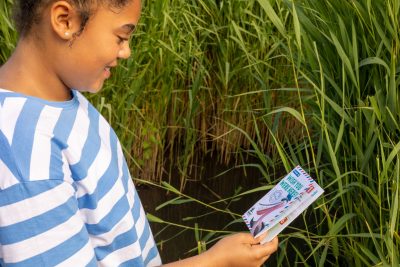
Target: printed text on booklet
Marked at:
282, 204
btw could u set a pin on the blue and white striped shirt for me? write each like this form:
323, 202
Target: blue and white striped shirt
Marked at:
66, 195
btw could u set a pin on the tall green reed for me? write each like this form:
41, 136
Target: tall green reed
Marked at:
346, 52
196, 67
345, 68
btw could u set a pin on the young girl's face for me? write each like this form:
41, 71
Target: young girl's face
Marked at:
85, 64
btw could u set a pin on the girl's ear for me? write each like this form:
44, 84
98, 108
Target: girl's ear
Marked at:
64, 19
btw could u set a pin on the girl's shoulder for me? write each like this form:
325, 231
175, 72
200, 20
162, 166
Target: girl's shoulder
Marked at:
34, 132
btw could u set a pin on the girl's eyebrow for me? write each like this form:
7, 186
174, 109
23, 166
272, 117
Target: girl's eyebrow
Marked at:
129, 28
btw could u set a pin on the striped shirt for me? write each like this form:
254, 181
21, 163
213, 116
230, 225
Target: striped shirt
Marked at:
66, 196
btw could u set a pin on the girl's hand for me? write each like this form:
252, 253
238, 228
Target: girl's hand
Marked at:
237, 250
240, 250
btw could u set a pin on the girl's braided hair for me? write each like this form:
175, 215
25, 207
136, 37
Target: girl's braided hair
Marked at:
28, 12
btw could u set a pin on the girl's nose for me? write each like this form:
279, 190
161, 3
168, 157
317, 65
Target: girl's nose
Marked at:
125, 51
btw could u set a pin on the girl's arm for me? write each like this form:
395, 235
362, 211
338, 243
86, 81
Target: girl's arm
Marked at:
235, 250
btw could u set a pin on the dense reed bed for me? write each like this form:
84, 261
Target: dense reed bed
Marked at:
282, 82
197, 68
347, 52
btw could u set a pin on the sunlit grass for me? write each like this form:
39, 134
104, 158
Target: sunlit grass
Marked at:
8, 35
196, 67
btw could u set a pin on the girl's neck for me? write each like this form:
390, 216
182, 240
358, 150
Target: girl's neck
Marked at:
29, 71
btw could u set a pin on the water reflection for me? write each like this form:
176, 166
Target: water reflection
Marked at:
177, 242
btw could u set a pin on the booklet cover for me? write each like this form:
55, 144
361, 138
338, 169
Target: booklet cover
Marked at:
282, 204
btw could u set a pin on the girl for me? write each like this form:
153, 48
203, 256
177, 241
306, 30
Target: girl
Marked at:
66, 197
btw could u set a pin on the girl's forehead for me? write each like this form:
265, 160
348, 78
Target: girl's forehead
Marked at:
123, 19
127, 13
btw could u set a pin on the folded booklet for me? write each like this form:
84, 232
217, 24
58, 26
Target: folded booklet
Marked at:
282, 204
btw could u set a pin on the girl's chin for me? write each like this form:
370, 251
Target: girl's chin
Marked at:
92, 89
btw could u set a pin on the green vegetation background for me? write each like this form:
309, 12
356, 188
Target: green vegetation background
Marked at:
284, 82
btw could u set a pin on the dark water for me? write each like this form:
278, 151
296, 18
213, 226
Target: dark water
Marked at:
224, 186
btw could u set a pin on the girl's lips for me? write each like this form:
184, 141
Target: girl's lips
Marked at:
107, 72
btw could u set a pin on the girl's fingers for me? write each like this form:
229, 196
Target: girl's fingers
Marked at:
266, 249
246, 238
275, 242
265, 259
261, 237
264, 235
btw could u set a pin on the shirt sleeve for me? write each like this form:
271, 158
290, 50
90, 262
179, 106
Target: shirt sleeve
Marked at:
40, 225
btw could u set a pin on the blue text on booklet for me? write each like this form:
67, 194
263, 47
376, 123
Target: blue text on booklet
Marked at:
282, 204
